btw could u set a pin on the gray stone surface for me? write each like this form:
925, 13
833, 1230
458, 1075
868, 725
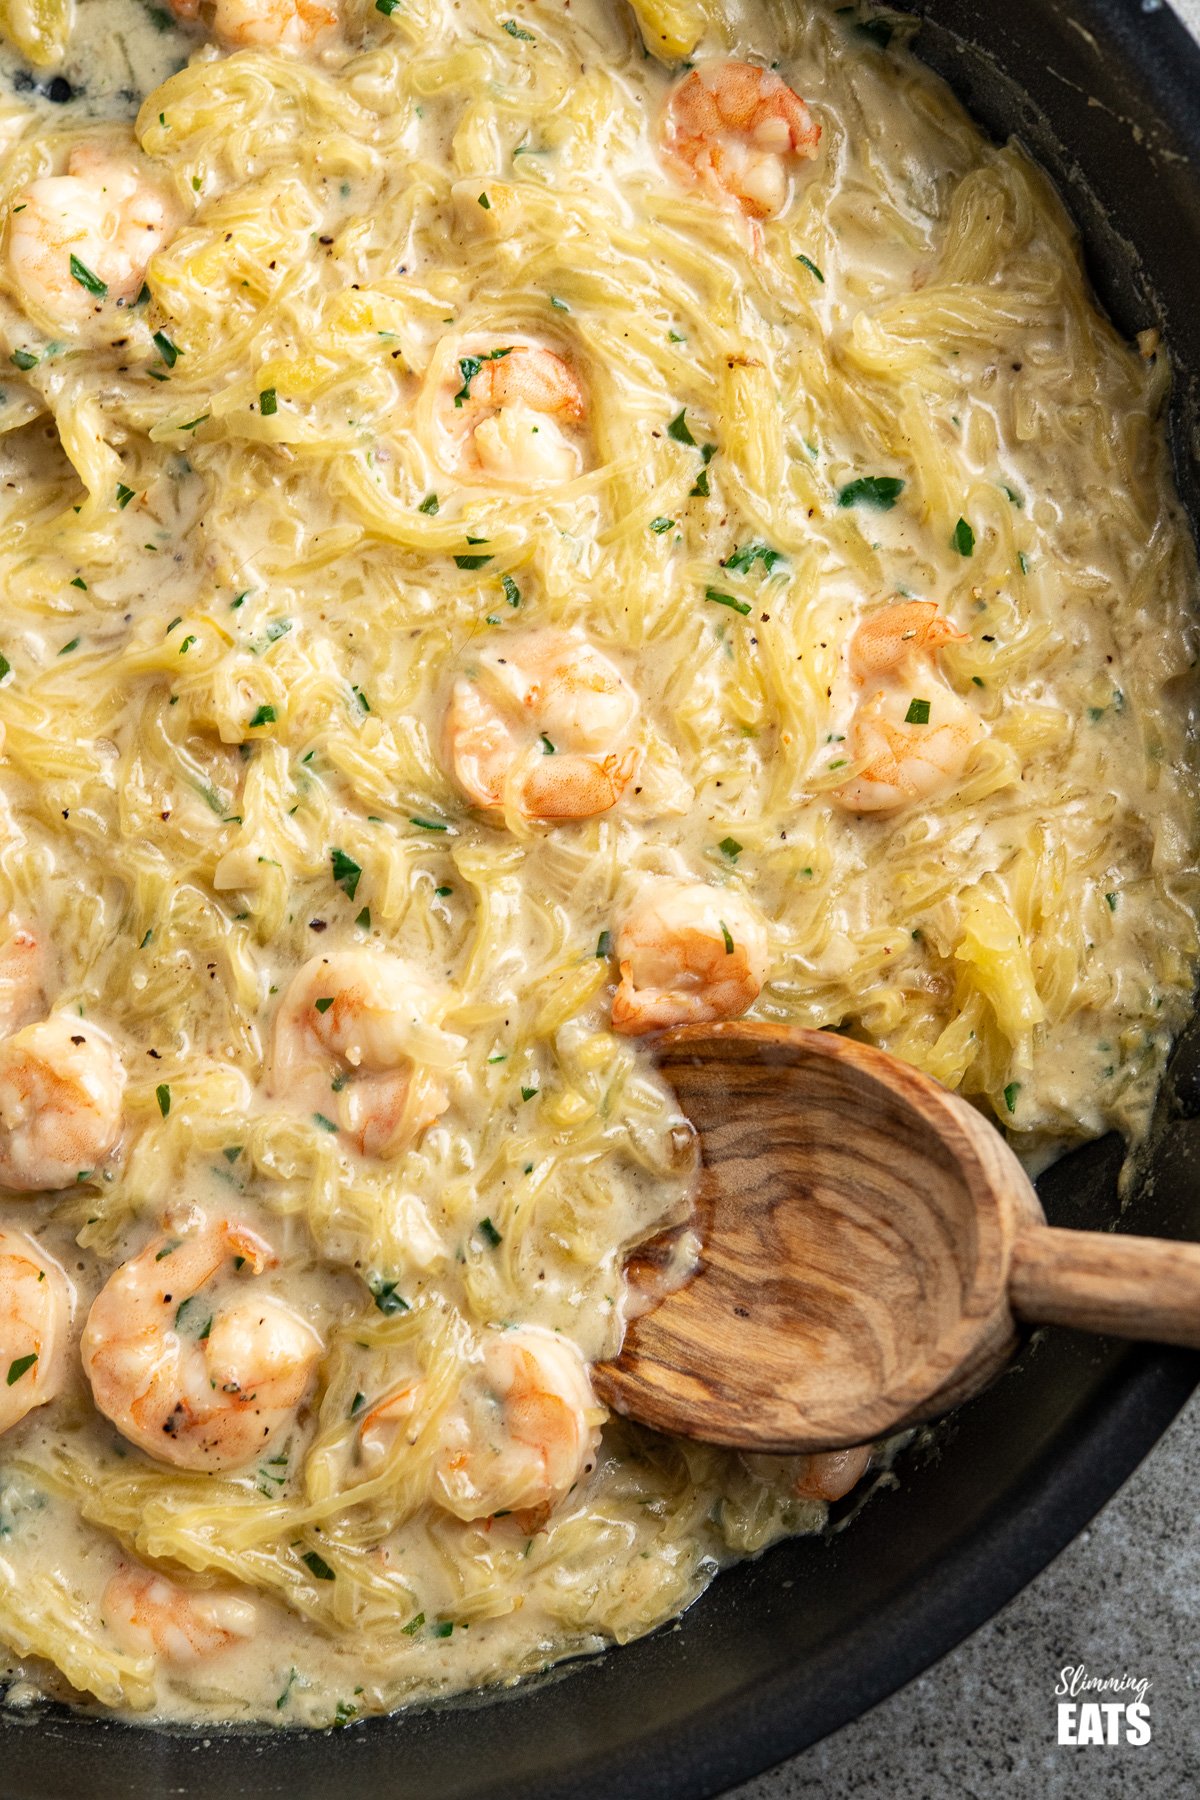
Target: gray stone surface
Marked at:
982, 1724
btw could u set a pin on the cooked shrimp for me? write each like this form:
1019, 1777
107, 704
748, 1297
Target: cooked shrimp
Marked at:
151, 1616
827, 1475
506, 412
36, 1304
80, 242
204, 1383
688, 953
61, 1088
357, 1035
22, 978
731, 128
541, 725
911, 733
296, 23
523, 1430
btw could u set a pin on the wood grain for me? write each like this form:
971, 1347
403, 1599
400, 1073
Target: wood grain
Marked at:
853, 1273
1104, 1281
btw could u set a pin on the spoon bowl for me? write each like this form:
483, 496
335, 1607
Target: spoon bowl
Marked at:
871, 1250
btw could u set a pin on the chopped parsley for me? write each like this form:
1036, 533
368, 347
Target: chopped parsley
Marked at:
169, 352
268, 402
726, 936
387, 7
879, 491
83, 275
512, 592
318, 1565
363, 920
324, 1003
469, 366
24, 359
744, 559
918, 713
429, 505
414, 1625
604, 944
73, 645
514, 31
658, 526
547, 746
1010, 1095
700, 488
489, 1234
265, 715
730, 847
810, 265
720, 599
964, 539
678, 429
162, 1094
1112, 901
20, 1366
346, 872
387, 1299
124, 495
430, 824
319, 1119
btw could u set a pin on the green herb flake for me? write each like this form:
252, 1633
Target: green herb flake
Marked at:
730, 847
346, 872
1010, 1095
73, 645
265, 715
547, 746
559, 305
700, 488
355, 1404
964, 539
268, 402
77, 581
387, 1299
442, 892
287, 1691
678, 429
658, 526
186, 645
169, 352
1112, 901
491, 1237
83, 275
879, 491
726, 936
24, 359
807, 263
473, 562
162, 1094
414, 1625
324, 1003
387, 7
604, 944
514, 31
21, 1365
485, 203
316, 1562
429, 505
918, 713
124, 495
191, 424
231, 1152
5, 666
429, 824
443, 1628
719, 599
527, 1093
325, 1124
363, 920
744, 559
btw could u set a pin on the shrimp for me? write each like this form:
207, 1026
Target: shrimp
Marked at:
22, 978
523, 1429
239, 23
151, 1616
62, 1085
204, 1383
79, 243
687, 953
37, 1302
911, 734
731, 128
540, 725
505, 412
358, 1035
828, 1475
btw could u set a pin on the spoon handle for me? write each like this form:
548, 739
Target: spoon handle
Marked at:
1131, 1287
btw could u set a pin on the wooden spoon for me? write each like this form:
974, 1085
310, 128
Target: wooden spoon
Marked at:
871, 1247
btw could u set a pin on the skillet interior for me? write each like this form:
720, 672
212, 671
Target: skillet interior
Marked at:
779, 1652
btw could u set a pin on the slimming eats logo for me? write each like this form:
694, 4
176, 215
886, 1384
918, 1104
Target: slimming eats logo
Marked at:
1110, 1720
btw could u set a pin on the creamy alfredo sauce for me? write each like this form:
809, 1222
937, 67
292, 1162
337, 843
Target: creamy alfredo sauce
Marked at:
243, 573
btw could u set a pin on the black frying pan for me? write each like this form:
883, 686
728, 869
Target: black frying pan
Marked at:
781, 1651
